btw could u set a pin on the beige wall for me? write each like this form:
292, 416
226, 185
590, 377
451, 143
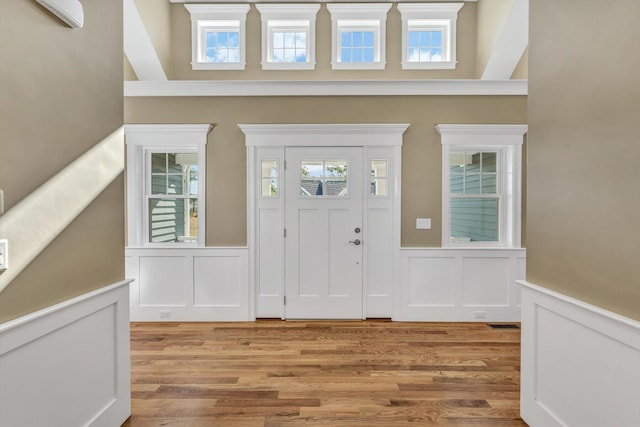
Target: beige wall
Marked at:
226, 154
61, 94
181, 51
583, 203
522, 69
491, 17
156, 17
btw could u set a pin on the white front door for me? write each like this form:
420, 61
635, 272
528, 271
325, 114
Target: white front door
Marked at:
323, 244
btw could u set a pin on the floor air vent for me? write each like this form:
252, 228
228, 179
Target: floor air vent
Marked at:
503, 326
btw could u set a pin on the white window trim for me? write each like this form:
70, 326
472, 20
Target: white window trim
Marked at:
347, 15
144, 138
505, 139
201, 14
437, 13
277, 17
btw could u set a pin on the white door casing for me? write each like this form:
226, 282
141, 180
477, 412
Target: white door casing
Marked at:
323, 251
266, 213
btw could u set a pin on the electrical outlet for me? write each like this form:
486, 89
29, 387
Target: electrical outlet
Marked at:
165, 314
423, 223
4, 254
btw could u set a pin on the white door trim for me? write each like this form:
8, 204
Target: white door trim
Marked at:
278, 136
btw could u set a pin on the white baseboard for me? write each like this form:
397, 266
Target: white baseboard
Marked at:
68, 365
580, 363
189, 284
459, 285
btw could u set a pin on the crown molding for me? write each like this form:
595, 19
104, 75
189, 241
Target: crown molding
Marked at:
325, 87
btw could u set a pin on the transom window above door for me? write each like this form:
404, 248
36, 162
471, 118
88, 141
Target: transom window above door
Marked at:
324, 178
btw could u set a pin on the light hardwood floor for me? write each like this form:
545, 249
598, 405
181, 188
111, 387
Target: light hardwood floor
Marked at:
348, 374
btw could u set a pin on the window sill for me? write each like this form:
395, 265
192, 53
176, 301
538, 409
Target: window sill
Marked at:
448, 65
358, 65
270, 66
218, 65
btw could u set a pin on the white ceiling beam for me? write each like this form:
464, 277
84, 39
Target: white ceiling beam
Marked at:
138, 47
510, 45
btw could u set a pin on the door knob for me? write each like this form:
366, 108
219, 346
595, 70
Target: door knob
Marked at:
355, 242
357, 230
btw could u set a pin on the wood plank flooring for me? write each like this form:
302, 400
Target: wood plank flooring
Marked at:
348, 374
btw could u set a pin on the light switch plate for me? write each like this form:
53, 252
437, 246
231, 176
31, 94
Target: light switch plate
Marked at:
423, 223
4, 254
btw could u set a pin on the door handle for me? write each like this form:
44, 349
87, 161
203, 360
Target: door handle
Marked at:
356, 242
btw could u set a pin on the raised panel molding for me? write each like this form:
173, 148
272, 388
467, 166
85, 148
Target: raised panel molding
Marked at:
459, 285
68, 364
189, 284
580, 363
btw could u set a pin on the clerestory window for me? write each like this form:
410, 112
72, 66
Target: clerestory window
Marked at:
429, 35
218, 36
358, 36
288, 36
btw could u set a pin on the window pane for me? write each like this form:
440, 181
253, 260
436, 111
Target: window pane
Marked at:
211, 39
336, 169
345, 39
488, 162
233, 39
335, 187
368, 39
436, 38
472, 183
489, 183
414, 38
159, 184
289, 55
223, 39
436, 55
357, 55
234, 55
278, 40
311, 187
379, 187
289, 40
474, 219
158, 162
379, 168
357, 39
173, 220
192, 184
301, 56
346, 55
301, 40
177, 184
269, 168
269, 187
312, 168
172, 164
425, 38
368, 54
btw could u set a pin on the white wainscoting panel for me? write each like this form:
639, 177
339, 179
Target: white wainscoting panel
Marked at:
379, 271
189, 284
68, 365
580, 363
459, 285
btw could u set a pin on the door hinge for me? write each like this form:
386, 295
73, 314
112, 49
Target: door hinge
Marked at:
285, 232
285, 165
285, 300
